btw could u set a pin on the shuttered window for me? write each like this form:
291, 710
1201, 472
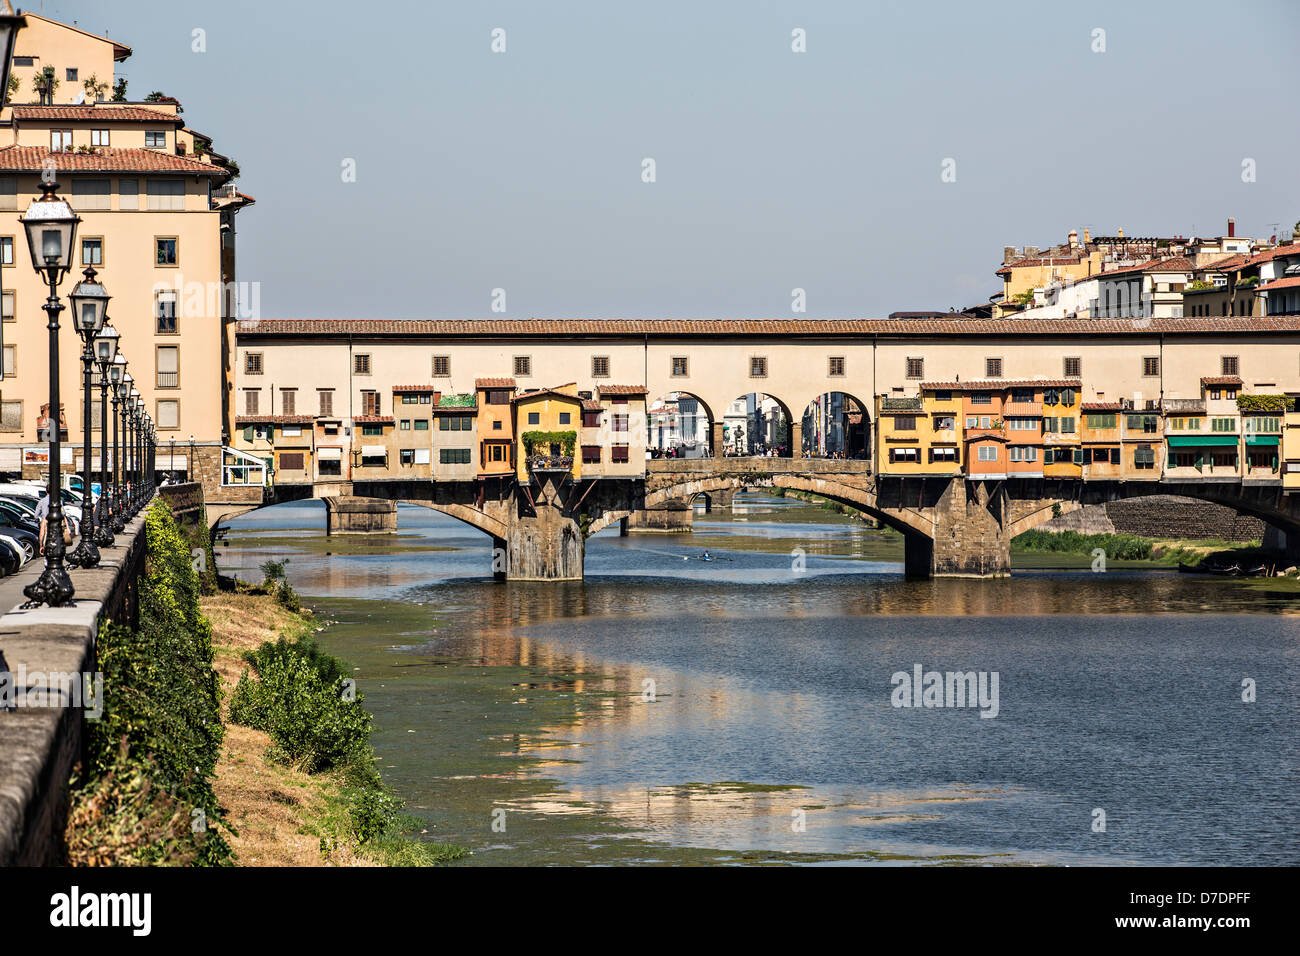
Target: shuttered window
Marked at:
291, 461
90, 194
166, 194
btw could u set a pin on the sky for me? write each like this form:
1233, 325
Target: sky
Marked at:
883, 168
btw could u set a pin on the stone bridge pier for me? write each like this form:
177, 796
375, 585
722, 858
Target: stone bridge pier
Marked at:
350, 515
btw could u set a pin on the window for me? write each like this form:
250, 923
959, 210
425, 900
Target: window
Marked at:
166, 251
534, 418
165, 195
155, 139
835, 366
993, 368
1024, 453
619, 423
600, 366
980, 398
1049, 423
169, 366
590, 418
421, 424
1101, 420
1066, 426
1027, 395
943, 454
60, 140
250, 401
406, 456
564, 418
326, 401
442, 366
252, 363
128, 194
288, 401
987, 453
943, 395
1072, 366
757, 367
92, 252
9, 200
1144, 456
1026, 424
7, 305
169, 413
291, 461
916, 368
904, 455
498, 396
1229, 365
7, 250
91, 194
523, 366
369, 402
679, 366
904, 423
1150, 365
71, 74
591, 454
1262, 425
11, 361
361, 366
618, 454
99, 137
165, 312
1223, 425
455, 423
944, 423
496, 425
453, 456
11, 416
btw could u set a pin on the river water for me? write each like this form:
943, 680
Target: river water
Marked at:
670, 709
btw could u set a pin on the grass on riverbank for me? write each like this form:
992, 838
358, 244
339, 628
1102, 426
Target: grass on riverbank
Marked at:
1131, 547
284, 814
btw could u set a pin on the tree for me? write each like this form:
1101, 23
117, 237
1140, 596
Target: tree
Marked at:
119, 90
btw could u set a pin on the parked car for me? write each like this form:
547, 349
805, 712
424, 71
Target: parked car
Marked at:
12, 558
30, 503
25, 539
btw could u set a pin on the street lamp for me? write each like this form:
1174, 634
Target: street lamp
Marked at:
89, 305
105, 357
133, 428
116, 377
51, 227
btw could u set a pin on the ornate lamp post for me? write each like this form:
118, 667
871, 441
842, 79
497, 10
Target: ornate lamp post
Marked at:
133, 463
89, 306
137, 466
105, 354
116, 377
51, 227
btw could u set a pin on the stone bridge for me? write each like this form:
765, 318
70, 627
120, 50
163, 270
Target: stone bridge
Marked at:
950, 526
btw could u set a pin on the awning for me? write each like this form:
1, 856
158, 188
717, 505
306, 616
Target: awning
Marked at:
1200, 441
373, 451
329, 454
1263, 440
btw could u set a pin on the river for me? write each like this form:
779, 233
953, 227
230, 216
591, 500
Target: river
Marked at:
670, 709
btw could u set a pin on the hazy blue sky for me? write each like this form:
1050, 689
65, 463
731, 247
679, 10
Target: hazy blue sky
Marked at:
821, 170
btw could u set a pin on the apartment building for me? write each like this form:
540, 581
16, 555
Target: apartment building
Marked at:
158, 212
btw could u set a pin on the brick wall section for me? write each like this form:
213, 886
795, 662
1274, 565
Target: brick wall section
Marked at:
185, 500
1161, 516
969, 533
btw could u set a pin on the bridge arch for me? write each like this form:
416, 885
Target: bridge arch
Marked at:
681, 421
489, 525
836, 424
758, 421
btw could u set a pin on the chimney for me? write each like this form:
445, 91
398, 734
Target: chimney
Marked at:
1074, 238
1120, 232
1008, 253
1232, 228
1087, 236
1031, 251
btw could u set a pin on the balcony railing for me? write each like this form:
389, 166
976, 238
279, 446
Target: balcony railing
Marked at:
550, 462
169, 379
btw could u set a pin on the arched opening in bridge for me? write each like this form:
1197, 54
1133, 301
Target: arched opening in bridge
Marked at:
679, 425
757, 424
836, 425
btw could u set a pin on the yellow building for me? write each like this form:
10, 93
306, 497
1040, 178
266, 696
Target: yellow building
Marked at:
1062, 432
157, 213
920, 435
547, 422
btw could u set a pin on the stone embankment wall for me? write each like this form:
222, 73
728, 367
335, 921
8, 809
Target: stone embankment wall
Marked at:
1160, 516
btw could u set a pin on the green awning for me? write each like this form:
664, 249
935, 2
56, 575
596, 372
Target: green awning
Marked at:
1263, 439
1200, 441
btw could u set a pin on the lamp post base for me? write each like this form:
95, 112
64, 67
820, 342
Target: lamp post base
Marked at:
53, 587
103, 536
84, 555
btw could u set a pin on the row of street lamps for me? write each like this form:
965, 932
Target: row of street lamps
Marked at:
51, 227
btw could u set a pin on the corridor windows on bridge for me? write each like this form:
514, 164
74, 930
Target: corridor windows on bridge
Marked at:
442, 366
835, 366
993, 368
916, 368
1072, 366
757, 425
836, 425
600, 366
361, 366
1229, 365
1151, 366
680, 366
757, 366
523, 366
679, 425
252, 363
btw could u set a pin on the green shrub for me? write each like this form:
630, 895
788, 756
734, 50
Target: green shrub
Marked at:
1120, 547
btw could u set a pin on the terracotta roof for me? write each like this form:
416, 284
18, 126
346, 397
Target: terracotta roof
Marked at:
414, 388
100, 114
1290, 250
589, 405
373, 419
1290, 282
105, 159
536, 392
1039, 261
493, 382
1226, 264
1140, 267
992, 385
1101, 406
243, 420
1221, 380
622, 390
961, 326
1172, 264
